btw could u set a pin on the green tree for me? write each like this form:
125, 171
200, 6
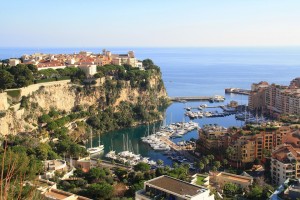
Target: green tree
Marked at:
45, 118
100, 191
6, 80
205, 161
42, 151
160, 162
94, 174
52, 126
142, 167
217, 164
210, 158
255, 193
17, 168
231, 189
230, 151
33, 68
214, 169
147, 63
200, 166
23, 76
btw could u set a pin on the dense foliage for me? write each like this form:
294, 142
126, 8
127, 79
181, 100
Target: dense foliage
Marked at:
23, 75
18, 165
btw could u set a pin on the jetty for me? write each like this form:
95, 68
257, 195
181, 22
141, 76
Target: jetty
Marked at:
195, 98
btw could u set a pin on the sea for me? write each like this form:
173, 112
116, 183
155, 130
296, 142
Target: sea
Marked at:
194, 72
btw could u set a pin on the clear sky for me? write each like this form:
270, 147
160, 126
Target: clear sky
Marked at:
158, 23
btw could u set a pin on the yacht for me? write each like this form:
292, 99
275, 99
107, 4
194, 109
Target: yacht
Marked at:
218, 98
95, 150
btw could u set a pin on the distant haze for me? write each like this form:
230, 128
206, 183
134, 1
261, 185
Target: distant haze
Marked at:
168, 23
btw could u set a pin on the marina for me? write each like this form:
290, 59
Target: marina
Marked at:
179, 144
160, 140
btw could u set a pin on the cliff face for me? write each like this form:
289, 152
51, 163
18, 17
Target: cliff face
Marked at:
65, 96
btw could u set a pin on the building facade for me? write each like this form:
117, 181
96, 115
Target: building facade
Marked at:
275, 99
285, 163
257, 96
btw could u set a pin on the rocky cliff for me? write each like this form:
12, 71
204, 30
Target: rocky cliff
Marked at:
65, 96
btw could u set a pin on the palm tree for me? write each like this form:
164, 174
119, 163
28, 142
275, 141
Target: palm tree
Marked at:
160, 162
210, 157
200, 166
230, 151
217, 164
205, 161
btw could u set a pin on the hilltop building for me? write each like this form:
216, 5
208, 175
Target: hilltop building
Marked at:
83, 59
14, 62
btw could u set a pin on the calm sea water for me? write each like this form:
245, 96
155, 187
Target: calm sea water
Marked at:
196, 72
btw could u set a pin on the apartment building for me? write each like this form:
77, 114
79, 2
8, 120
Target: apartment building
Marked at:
247, 145
285, 163
283, 99
275, 99
213, 137
257, 96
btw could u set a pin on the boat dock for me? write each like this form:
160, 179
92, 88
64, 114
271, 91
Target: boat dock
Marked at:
195, 98
194, 108
166, 139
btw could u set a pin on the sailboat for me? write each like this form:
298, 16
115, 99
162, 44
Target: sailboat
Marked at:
95, 150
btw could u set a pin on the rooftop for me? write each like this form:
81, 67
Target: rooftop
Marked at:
175, 186
234, 177
56, 194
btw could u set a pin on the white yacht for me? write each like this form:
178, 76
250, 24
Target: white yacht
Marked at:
95, 150
218, 98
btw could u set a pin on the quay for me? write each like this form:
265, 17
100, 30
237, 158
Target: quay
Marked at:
237, 91
195, 98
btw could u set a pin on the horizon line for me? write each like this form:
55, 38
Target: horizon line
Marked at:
233, 46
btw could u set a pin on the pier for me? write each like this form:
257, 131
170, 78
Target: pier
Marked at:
195, 98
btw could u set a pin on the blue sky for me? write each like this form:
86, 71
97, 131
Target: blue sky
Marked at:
159, 23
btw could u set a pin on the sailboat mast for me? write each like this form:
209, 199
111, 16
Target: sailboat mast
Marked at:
91, 135
127, 143
99, 140
123, 142
148, 129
